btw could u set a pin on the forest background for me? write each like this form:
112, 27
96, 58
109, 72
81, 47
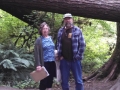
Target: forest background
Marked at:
17, 43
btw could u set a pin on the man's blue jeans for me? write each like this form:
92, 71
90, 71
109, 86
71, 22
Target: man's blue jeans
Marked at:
75, 67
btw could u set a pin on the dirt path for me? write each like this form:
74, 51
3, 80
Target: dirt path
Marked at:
98, 85
89, 85
92, 85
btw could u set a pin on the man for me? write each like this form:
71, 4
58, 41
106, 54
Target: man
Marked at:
71, 46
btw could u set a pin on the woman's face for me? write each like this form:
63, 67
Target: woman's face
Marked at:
45, 30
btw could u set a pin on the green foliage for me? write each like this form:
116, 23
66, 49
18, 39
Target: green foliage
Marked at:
100, 37
107, 26
8, 64
97, 46
9, 26
15, 64
27, 84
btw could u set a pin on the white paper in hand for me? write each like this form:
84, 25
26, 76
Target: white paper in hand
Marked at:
39, 75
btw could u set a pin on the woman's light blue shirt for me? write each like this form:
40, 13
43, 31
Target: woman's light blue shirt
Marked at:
48, 49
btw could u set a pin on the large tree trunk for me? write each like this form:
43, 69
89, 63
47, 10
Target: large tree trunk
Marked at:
110, 70
97, 9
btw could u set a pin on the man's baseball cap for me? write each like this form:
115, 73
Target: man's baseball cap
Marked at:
67, 15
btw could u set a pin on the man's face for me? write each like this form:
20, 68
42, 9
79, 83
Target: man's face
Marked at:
68, 22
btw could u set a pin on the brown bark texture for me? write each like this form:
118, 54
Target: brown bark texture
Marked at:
97, 9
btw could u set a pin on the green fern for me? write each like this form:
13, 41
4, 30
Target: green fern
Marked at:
8, 64
20, 62
15, 63
1, 55
10, 54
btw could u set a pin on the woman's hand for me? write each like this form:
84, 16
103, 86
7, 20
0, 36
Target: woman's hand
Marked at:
56, 58
38, 68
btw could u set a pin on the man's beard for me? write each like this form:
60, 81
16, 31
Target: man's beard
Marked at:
68, 25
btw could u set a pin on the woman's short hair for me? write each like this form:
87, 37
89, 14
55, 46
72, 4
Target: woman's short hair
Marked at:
41, 27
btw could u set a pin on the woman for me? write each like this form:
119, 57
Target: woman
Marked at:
48, 56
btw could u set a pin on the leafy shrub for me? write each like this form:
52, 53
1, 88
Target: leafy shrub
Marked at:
97, 46
15, 64
27, 84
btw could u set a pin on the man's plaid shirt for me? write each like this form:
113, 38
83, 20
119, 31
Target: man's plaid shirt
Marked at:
78, 43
